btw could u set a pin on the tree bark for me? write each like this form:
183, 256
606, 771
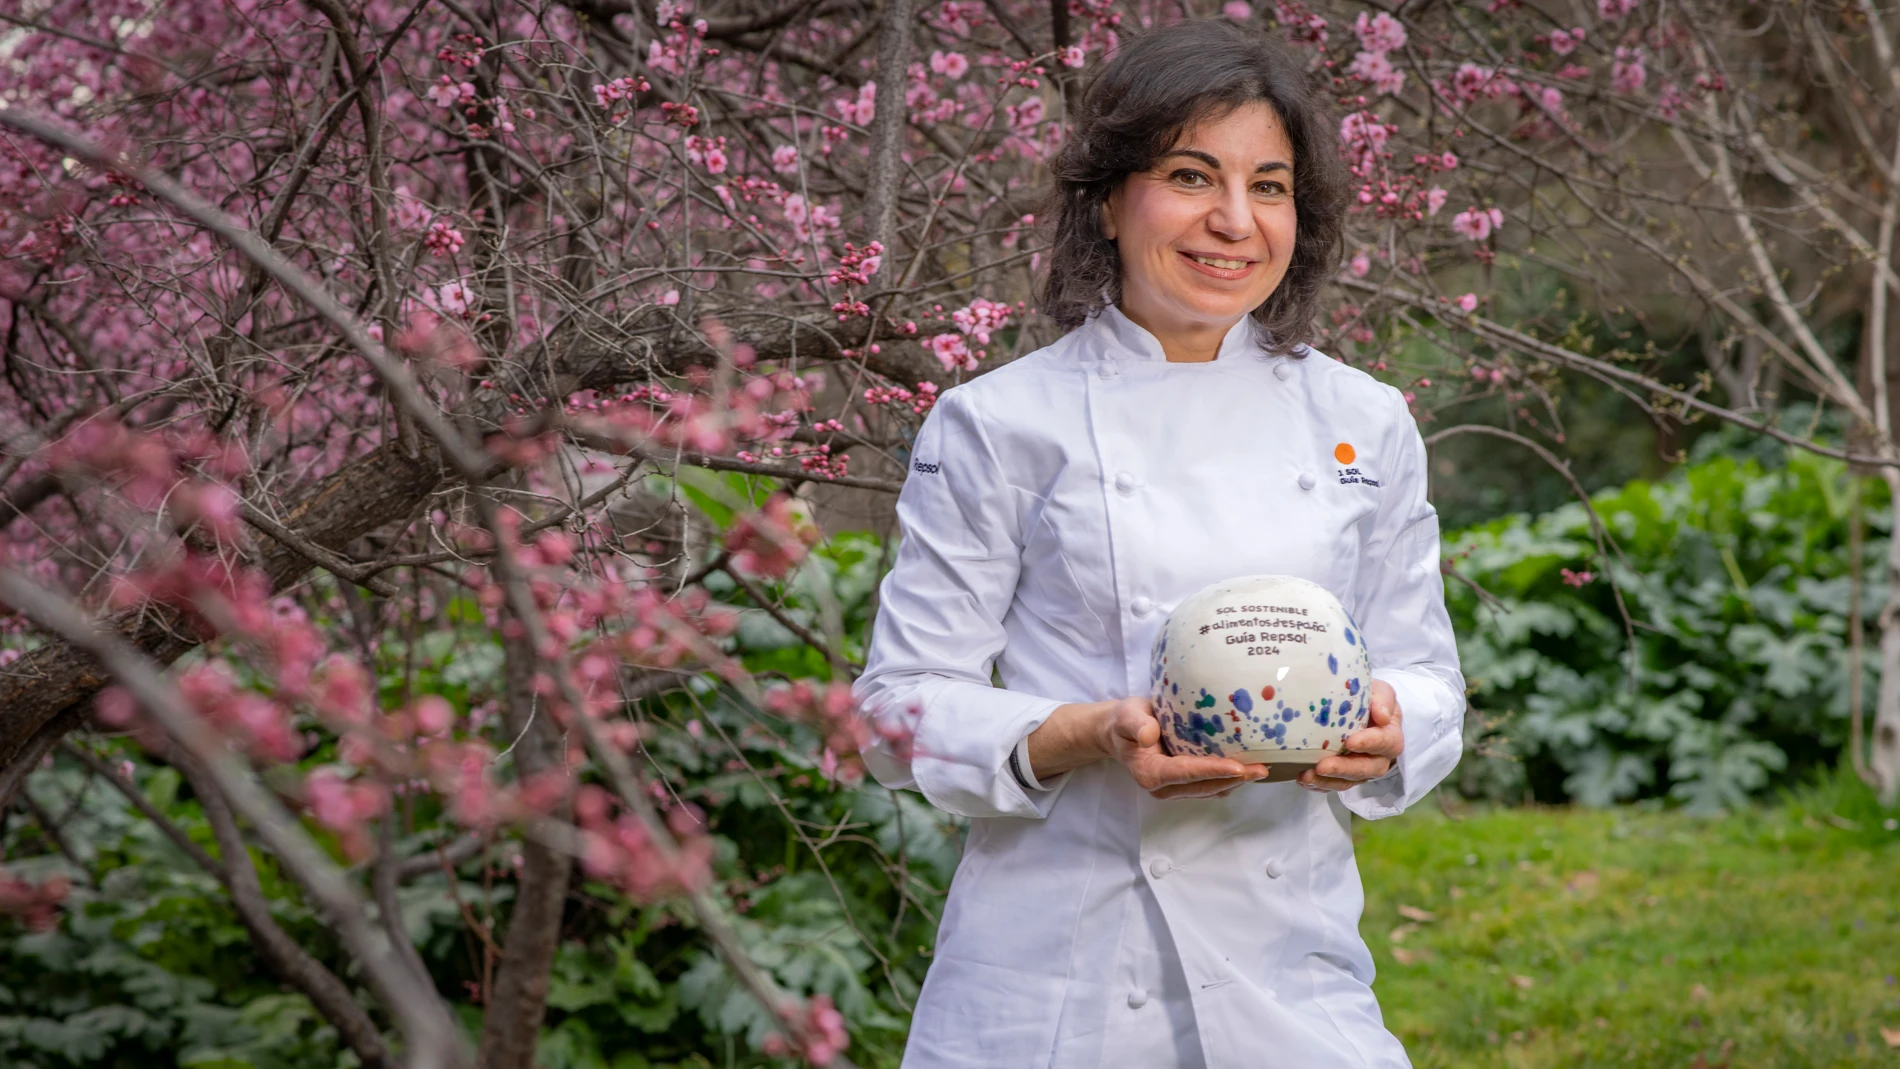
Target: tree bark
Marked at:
890, 123
47, 693
1884, 752
518, 1002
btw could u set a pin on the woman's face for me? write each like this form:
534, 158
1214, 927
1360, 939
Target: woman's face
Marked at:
1206, 234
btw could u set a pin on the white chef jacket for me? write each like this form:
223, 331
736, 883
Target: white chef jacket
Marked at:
1055, 511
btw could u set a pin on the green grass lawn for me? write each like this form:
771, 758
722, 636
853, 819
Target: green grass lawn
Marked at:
1640, 936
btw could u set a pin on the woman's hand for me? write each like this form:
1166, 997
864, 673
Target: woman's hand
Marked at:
1369, 752
1127, 731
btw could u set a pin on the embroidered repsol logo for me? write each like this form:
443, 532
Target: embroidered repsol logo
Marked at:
923, 468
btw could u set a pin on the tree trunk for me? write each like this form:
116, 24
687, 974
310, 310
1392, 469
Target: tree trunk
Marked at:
519, 999
1885, 749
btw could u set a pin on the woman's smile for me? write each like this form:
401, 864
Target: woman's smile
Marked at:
1222, 267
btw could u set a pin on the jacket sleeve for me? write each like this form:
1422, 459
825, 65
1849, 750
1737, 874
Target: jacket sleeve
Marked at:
939, 630
1401, 611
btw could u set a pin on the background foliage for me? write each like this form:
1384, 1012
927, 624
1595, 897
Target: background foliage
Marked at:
1736, 569
1731, 672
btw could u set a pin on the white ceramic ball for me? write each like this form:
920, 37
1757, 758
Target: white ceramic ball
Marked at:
1263, 669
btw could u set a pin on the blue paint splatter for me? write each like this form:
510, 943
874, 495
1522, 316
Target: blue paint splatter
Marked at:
1350, 641
1352, 686
1242, 700
1332, 664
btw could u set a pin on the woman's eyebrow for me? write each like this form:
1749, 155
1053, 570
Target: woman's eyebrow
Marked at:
1213, 161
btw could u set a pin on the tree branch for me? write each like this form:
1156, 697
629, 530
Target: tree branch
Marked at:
433, 1040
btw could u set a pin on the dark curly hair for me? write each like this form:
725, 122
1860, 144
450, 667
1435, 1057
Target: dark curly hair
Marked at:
1133, 111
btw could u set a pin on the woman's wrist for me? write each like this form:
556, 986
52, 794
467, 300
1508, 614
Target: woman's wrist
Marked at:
1073, 735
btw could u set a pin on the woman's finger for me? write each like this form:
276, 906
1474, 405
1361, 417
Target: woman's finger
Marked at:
1386, 741
1207, 788
1158, 770
1353, 767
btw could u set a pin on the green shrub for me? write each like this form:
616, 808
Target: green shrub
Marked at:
1731, 673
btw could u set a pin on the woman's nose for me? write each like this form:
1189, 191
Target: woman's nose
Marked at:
1230, 217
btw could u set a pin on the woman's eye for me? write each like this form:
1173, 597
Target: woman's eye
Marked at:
1272, 189
1189, 178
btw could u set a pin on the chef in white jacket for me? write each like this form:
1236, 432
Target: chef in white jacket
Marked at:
1117, 906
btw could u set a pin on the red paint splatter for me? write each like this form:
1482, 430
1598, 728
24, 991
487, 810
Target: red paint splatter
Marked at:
1266, 694
1325, 744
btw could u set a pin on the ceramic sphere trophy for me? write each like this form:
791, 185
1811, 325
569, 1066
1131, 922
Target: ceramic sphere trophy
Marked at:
1264, 669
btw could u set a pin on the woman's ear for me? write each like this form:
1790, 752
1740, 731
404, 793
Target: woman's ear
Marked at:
1109, 205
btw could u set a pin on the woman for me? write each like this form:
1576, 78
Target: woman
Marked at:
1117, 906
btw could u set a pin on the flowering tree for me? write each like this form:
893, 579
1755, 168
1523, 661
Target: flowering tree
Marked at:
333, 322
1721, 173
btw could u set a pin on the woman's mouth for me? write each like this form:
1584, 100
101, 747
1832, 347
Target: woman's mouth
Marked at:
1219, 266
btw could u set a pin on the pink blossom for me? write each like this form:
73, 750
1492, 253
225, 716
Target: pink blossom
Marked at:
1470, 81
715, 161
1435, 199
1477, 223
980, 318
772, 541
1237, 10
455, 298
952, 65
443, 240
1025, 116
447, 93
1467, 303
1379, 33
1615, 9
1363, 132
670, 298
410, 213
1374, 67
951, 350
433, 714
1576, 579
1564, 42
785, 159
1627, 74
1361, 265
1072, 56
1669, 101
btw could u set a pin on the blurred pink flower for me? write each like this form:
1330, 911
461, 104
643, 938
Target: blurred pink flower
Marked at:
1627, 74
1477, 223
1379, 33
952, 65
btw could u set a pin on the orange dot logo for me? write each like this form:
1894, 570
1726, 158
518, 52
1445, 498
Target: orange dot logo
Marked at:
1343, 453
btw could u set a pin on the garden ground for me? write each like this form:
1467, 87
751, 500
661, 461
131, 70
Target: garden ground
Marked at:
1533, 937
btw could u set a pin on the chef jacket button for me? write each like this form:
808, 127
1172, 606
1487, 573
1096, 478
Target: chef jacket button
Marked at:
1307, 482
1125, 483
1141, 606
1273, 868
1137, 998
1160, 867
1108, 371
1283, 370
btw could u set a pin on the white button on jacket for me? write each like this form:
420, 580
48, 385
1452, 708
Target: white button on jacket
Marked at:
1024, 550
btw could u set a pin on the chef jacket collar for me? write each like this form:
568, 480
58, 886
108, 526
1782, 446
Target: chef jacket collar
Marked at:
1128, 340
